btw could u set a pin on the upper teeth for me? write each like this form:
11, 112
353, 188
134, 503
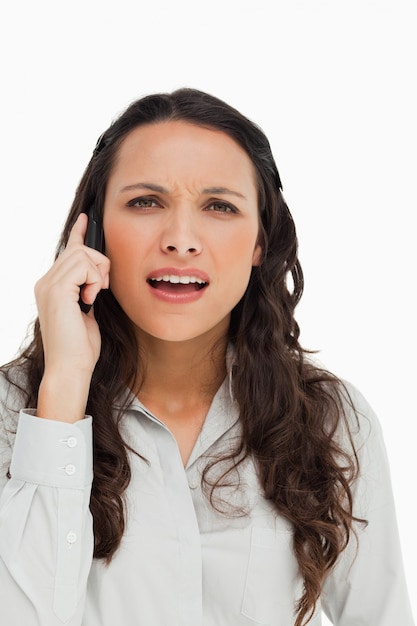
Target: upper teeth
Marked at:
185, 280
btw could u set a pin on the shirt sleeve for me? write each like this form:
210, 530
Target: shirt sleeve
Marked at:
367, 587
46, 536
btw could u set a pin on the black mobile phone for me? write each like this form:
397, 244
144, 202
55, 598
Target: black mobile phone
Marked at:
94, 238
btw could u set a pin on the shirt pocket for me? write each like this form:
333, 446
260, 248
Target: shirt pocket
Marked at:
273, 584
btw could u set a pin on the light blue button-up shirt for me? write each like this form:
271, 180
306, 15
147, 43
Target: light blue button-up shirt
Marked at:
182, 561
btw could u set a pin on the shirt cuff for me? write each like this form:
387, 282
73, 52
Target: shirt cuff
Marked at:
52, 453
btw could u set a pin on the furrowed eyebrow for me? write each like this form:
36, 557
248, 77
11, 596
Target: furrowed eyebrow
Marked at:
148, 186
160, 189
222, 191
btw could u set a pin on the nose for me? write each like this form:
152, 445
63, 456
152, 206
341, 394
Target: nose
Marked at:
180, 236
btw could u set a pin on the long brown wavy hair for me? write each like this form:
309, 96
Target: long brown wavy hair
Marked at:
289, 408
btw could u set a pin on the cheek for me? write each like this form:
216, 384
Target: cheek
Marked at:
246, 248
119, 244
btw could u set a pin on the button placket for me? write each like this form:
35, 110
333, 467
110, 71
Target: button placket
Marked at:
71, 509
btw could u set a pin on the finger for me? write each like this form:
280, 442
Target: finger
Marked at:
88, 294
78, 231
73, 268
77, 238
93, 285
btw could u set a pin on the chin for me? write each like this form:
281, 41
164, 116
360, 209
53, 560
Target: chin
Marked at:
183, 332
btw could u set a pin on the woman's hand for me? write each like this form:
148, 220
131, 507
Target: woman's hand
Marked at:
71, 338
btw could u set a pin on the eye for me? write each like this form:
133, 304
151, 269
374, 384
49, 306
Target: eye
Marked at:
221, 207
143, 203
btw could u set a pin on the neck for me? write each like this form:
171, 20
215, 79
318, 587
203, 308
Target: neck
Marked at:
182, 373
181, 379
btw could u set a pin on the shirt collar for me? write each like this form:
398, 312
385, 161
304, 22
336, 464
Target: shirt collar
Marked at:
223, 413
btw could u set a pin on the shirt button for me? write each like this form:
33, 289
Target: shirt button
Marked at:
71, 537
69, 469
193, 484
71, 442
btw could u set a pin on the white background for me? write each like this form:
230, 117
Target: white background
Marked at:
333, 85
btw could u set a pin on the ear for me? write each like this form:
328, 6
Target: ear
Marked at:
257, 255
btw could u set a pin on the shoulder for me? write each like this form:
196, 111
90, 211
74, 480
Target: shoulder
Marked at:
340, 405
361, 419
365, 438
349, 418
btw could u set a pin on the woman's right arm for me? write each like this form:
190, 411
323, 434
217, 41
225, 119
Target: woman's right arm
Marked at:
46, 536
71, 339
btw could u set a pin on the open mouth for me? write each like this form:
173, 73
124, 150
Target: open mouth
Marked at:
177, 284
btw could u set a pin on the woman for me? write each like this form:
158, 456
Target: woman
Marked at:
223, 478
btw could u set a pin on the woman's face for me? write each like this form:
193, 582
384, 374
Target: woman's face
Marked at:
181, 229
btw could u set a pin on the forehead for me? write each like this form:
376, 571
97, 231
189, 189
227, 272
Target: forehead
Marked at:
182, 148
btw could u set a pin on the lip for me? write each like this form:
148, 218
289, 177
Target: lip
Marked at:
172, 297
176, 271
